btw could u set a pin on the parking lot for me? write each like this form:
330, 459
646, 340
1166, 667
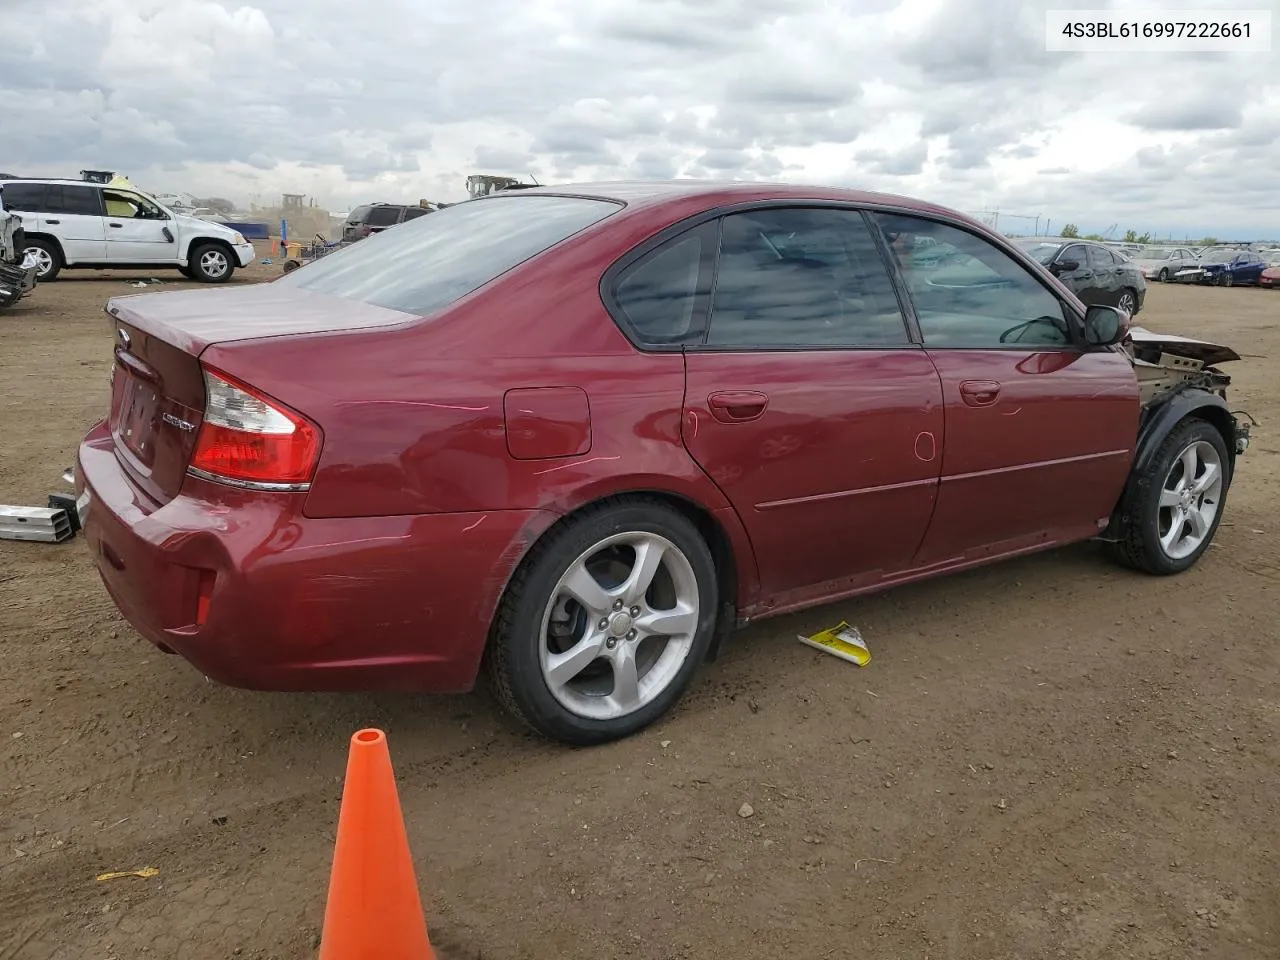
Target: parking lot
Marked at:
1052, 757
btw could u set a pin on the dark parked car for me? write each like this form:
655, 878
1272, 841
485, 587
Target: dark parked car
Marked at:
1095, 273
375, 217
1231, 266
578, 434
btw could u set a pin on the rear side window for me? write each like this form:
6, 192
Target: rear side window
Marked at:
80, 200
658, 294
1102, 257
413, 213
29, 197
382, 216
434, 261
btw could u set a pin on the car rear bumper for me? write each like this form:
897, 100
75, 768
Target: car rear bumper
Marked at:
257, 595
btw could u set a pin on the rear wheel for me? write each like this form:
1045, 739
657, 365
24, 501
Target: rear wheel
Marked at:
1179, 505
1128, 302
48, 259
211, 263
605, 623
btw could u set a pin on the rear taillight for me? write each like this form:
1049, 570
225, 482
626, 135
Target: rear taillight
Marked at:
247, 438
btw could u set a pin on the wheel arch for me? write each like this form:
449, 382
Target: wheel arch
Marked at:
731, 551
198, 241
29, 235
1159, 420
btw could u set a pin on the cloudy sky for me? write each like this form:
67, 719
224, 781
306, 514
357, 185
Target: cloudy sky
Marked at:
951, 100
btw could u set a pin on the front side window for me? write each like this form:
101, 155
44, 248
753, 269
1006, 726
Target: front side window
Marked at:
658, 293
130, 206
383, 216
802, 277
1076, 254
434, 261
974, 295
1101, 257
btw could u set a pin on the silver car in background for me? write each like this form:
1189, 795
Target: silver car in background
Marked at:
1163, 263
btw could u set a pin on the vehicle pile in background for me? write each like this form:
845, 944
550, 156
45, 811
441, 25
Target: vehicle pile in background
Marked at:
17, 266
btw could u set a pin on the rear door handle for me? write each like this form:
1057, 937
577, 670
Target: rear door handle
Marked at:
737, 406
979, 393
115, 226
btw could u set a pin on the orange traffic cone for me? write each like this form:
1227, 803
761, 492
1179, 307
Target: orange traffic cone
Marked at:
374, 910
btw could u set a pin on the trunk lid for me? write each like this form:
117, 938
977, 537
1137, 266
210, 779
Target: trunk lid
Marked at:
157, 384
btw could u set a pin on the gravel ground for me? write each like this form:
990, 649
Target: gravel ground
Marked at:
1050, 757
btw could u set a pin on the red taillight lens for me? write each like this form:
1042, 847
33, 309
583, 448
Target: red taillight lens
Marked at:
247, 437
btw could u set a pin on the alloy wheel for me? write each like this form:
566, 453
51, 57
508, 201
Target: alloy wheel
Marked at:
214, 263
1190, 499
619, 625
44, 260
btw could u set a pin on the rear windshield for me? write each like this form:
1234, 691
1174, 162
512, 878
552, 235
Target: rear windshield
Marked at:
428, 263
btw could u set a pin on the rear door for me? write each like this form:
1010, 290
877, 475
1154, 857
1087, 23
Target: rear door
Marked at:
809, 406
138, 231
1039, 431
74, 216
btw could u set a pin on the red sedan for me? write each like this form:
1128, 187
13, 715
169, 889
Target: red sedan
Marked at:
1270, 278
578, 434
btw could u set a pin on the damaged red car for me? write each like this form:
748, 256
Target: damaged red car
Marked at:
572, 436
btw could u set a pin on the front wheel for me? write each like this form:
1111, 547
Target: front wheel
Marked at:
1164, 275
211, 263
604, 624
1176, 512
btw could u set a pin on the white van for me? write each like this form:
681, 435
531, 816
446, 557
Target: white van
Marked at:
76, 224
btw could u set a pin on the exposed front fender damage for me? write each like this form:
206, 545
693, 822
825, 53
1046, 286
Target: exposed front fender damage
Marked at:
1177, 378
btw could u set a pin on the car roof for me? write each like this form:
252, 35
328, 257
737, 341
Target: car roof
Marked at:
645, 193
56, 181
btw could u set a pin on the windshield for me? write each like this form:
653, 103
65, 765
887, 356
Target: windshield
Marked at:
1042, 250
426, 264
1220, 254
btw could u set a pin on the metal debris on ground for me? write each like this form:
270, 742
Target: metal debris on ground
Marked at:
146, 873
843, 641
60, 520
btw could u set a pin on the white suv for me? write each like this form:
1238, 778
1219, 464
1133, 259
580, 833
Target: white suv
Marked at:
72, 224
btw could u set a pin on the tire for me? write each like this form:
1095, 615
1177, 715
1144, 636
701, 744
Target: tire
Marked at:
1142, 547
211, 263
50, 255
538, 621
1225, 279
1164, 275
1129, 297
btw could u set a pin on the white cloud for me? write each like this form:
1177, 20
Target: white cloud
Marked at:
955, 101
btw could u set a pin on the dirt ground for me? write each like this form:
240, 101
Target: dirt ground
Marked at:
1046, 758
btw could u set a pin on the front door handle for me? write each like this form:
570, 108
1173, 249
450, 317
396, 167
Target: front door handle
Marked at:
739, 406
53, 223
979, 393
115, 226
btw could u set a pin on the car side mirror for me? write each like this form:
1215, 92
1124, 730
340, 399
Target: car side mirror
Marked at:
1066, 266
1104, 326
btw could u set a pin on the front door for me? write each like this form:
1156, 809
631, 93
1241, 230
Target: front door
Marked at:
809, 406
1040, 431
138, 231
